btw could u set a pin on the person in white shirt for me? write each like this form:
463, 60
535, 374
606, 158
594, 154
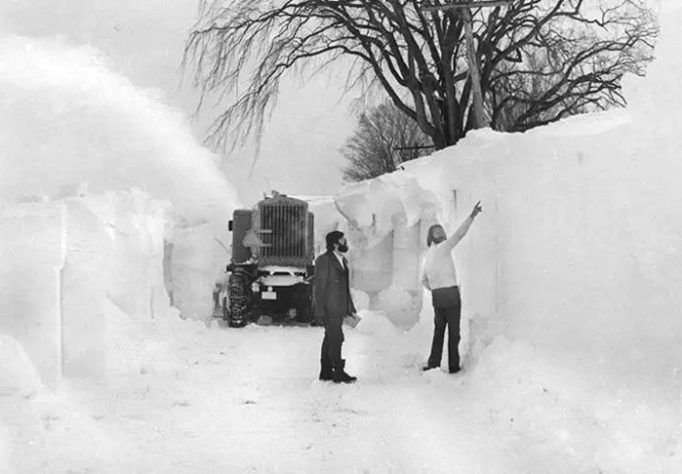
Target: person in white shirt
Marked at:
440, 277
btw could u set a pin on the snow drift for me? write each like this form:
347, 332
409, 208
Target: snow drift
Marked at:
570, 276
108, 210
570, 280
70, 126
577, 252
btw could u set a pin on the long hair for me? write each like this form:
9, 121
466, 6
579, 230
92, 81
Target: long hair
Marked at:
429, 234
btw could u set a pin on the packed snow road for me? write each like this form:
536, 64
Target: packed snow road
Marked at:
183, 398
248, 400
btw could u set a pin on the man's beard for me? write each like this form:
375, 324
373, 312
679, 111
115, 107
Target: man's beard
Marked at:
343, 248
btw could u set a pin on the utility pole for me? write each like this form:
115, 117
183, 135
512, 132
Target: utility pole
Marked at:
472, 59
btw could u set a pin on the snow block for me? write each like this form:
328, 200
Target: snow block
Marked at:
399, 305
21, 430
360, 299
406, 250
32, 252
115, 254
65, 263
140, 229
371, 266
110, 135
85, 280
196, 257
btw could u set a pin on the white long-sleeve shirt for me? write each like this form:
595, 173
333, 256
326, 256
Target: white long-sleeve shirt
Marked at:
439, 263
439, 267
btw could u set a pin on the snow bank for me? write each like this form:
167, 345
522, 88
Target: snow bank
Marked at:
33, 252
21, 429
398, 304
565, 420
536, 412
360, 299
114, 258
69, 123
577, 250
65, 265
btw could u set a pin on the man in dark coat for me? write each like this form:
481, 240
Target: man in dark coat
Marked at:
333, 303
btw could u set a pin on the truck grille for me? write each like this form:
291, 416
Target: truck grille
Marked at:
284, 229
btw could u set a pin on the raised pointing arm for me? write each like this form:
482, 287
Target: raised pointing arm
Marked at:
464, 227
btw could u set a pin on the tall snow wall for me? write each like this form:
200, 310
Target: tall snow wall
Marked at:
69, 125
67, 263
33, 252
73, 272
581, 228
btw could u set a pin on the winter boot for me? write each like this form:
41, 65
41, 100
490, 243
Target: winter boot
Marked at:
326, 372
340, 375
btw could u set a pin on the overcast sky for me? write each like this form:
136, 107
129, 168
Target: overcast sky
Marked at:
144, 39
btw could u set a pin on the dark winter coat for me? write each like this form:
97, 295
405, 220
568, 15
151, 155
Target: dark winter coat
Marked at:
332, 287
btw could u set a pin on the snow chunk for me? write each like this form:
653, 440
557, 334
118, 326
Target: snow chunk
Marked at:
360, 299
399, 306
18, 375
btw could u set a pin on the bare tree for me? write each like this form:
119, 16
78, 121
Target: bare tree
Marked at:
384, 138
246, 47
573, 67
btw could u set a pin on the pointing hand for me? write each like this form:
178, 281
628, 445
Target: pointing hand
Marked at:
477, 209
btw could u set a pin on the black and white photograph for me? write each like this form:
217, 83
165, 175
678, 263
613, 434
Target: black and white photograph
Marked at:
340, 236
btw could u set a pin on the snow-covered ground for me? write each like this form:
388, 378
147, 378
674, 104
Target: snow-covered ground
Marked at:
194, 399
586, 384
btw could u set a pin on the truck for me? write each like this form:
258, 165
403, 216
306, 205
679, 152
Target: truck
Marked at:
272, 262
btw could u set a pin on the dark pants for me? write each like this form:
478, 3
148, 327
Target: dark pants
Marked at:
331, 344
447, 306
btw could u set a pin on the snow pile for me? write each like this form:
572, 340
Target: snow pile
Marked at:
536, 413
570, 277
33, 252
71, 125
570, 284
577, 249
402, 194
82, 257
398, 304
582, 419
376, 324
19, 377
143, 367
114, 262
360, 299
108, 206
21, 430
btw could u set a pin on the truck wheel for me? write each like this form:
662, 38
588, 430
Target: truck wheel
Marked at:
238, 299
